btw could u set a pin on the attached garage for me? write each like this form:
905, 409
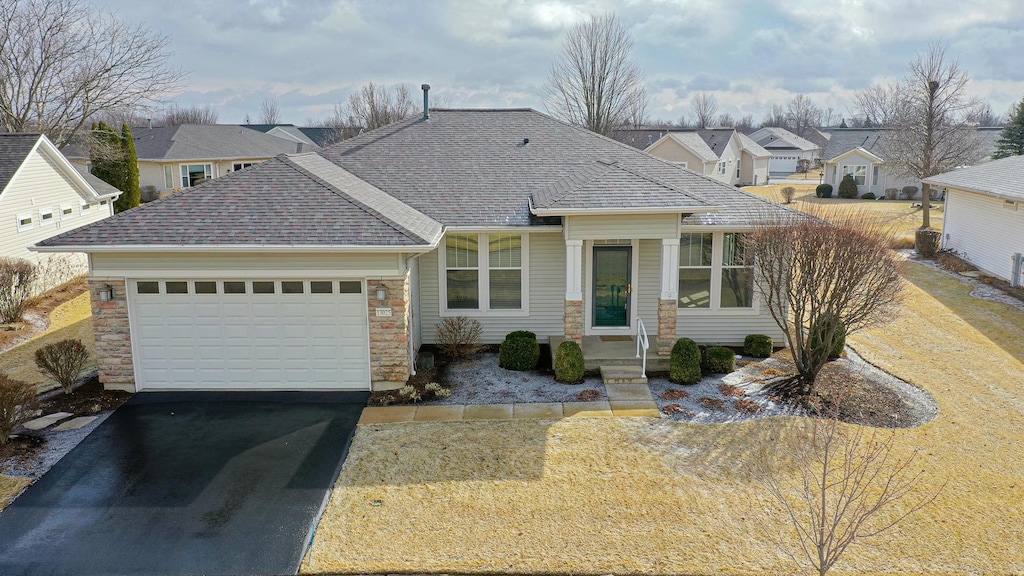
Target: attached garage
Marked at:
782, 164
249, 334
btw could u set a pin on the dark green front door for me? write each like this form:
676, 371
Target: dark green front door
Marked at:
612, 286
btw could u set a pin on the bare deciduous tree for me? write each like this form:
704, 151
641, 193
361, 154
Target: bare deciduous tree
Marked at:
803, 115
62, 62
374, 106
270, 112
932, 119
703, 106
832, 265
725, 120
775, 117
176, 116
342, 123
845, 486
746, 124
595, 82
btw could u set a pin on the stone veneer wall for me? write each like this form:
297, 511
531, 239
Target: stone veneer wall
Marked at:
574, 319
667, 318
389, 335
113, 338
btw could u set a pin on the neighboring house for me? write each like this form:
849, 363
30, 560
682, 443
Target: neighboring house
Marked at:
984, 215
860, 152
721, 153
41, 195
176, 157
787, 149
329, 269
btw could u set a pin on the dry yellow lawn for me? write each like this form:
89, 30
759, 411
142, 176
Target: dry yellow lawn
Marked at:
11, 486
72, 319
654, 497
898, 214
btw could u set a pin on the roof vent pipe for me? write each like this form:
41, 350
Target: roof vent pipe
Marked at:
426, 101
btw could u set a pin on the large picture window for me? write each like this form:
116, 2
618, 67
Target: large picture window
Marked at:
695, 270
859, 173
484, 272
192, 174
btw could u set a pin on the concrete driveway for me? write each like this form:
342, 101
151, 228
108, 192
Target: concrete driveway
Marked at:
186, 483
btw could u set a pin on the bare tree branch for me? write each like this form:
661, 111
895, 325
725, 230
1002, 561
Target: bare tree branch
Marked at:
270, 112
176, 116
803, 115
703, 106
595, 83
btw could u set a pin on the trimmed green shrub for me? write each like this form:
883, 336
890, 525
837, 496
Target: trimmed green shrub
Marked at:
823, 191
827, 323
63, 361
868, 196
520, 353
685, 362
721, 360
569, 363
758, 345
520, 334
848, 187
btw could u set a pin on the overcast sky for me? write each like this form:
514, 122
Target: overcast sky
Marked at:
309, 54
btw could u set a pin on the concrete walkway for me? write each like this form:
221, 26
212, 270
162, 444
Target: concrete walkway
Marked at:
624, 401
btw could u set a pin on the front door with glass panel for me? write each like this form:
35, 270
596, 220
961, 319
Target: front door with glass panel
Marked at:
612, 286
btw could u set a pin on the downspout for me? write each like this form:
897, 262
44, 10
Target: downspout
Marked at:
412, 351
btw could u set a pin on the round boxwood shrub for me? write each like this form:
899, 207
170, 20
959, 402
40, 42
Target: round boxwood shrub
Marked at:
758, 345
823, 191
685, 362
867, 196
721, 360
520, 334
520, 353
848, 187
824, 324
569, 363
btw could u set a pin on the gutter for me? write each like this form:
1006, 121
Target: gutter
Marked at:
235, 248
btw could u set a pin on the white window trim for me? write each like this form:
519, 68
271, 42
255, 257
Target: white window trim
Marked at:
181, 177
85, 209
853, 171
717, 250
484, 279
49, 221
683, 164
169, 177
23, 227
70, 209
242, 165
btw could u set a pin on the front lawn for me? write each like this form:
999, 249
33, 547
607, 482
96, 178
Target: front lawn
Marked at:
655, 496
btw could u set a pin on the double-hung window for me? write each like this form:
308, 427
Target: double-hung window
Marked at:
715, 271
737, 273
859, 173
484, 272
695, 270
235, 166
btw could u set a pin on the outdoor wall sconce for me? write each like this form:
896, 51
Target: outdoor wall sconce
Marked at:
382, 292
106, 293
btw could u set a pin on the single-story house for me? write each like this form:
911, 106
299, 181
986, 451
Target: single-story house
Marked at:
860, 152
984, 216
724, 154
329, 269
42, 195
177, 157
786, 148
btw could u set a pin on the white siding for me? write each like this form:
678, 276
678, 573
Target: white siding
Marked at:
983, 232
194, 265
622, 227
547, 294
40, 185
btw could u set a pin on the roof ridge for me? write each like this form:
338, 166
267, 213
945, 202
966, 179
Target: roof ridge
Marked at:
660, 183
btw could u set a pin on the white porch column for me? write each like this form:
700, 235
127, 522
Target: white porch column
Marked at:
667, 304
574, 289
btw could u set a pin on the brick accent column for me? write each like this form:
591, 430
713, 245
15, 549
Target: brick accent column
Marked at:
574, 319
113, 338
667, 318
389, 335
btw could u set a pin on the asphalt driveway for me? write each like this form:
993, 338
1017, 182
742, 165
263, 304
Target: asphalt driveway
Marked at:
186, 483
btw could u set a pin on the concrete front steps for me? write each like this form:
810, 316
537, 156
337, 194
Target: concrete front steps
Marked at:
623, 375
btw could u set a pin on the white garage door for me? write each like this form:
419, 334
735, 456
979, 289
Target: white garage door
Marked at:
249, 334
780, 164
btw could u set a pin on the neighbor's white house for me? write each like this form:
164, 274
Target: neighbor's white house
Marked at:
984, 216
42, 195
786, 149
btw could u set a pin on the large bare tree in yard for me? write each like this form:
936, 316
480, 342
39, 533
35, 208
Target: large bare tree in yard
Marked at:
803, 115
931, 120
595, 82
62, 62
704, 106
823, 277
374, 105
843, 486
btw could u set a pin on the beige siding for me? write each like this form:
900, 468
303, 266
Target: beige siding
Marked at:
669, 149
622, 227
39, 186
152, 173
725, 328
181, 265
983, 231
547, 294
648, 285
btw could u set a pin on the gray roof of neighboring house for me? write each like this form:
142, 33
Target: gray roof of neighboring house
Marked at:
323, 137
717, 139
285, 201
695, 144
845, 139
14, 148
770, 136
468, 168
202, 142
101, 187
754, 148
640, 138
999, 178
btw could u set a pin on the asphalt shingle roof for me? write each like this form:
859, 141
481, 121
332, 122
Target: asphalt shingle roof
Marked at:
202, 142
1001, 177
99, 186
14, 148
845, 139
769, 137
469, 168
